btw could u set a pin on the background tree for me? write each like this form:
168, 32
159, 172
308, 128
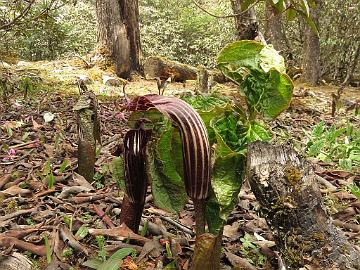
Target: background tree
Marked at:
311, 60
245, 23
118, 31
273, 27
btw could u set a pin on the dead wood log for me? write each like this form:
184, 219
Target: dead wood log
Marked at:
286, 188
164, 68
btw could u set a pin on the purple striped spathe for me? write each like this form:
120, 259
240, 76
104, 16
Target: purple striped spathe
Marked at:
195, 143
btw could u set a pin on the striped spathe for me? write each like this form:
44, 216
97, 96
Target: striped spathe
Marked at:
195, 143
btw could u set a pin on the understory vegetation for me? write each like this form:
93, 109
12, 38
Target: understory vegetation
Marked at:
176, 30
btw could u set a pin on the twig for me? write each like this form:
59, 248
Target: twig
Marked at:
178, 225
21, 15
12, 241
103, 216
348, 226
18, 213
21, 145
225, 16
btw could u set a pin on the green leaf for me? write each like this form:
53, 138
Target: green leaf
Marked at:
115, 261
92, 263
318, 130
305, 7
64, 164
345, 164
316, 148
82, 232
354, 190
209, 107
48, 249
259, 70
51, 180
270, 58
117, 169
277, 94
165, 170
254, 132
237, 59
226, 181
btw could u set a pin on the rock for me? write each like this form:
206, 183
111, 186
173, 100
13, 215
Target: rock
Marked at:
4, 65
84, 78
23, 64
16, 261
111, 81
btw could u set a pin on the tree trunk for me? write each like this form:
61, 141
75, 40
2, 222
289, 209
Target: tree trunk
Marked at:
311, 59
274, 29
351, 68
118, 31
246, 25
291, 202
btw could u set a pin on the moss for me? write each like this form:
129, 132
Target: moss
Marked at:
293, 175
283, 204
319, 236
11, 207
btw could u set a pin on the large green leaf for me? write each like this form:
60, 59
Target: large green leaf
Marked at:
259, 70
237, 59
228, 171
209, 107
270, 58
164, 160
226, 181
165, 170
277, 94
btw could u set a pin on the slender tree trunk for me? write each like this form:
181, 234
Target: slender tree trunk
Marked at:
245, 24
118, 31
311, 59
351, 68
274, 29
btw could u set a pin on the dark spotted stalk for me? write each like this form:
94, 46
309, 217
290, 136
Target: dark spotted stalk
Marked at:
195, 144
135, 176
88, 131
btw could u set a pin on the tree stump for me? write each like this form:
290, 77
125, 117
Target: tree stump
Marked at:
203, 79
286, 189
88, 131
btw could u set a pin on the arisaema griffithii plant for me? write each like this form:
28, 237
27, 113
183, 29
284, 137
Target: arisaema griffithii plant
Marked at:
195, 153
260, 73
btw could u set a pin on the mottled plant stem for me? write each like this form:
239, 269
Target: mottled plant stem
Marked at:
199, 208
86, 159
216, 254
131, 213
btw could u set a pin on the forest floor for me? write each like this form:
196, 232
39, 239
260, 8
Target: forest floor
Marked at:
45, 203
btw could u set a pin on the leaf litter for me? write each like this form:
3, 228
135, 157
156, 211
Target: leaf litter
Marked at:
48, 210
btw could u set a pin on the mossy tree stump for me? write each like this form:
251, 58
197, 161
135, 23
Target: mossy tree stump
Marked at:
286, 188
89, 133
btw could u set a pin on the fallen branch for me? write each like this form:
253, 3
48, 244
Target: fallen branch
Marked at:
17, 213
14, 242
122, 232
